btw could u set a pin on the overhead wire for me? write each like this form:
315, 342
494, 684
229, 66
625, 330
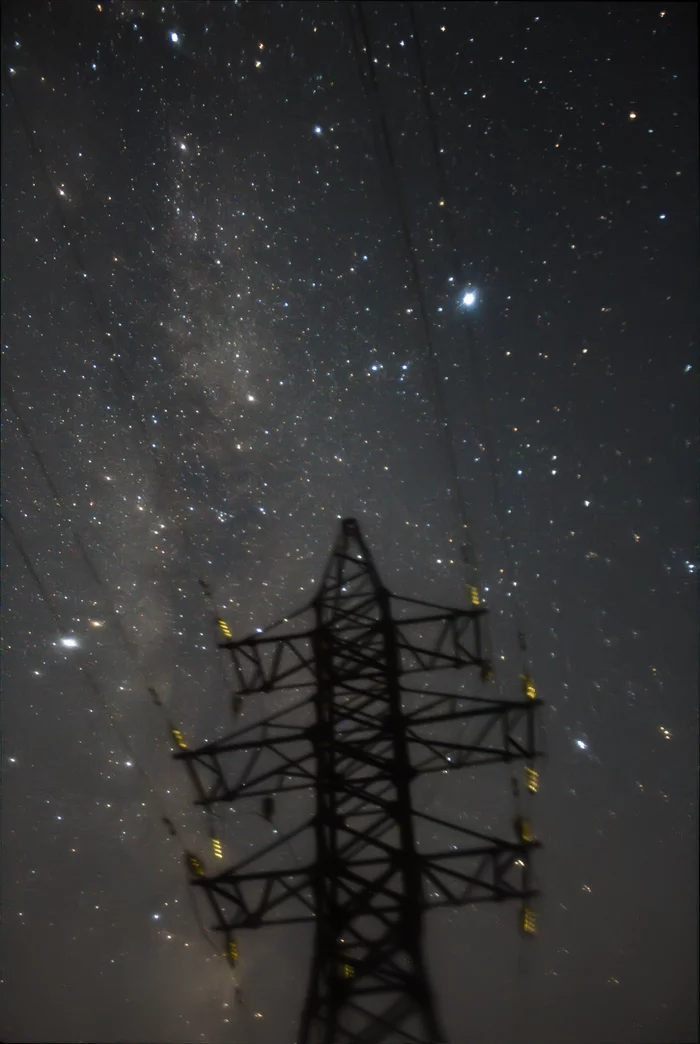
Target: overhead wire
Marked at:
469, 552
467, 549
358, 28
385, 146
163, 477
445, 217
84, 672
166, 817
164, 814
360, 40
107, 598
363, 44
191, 550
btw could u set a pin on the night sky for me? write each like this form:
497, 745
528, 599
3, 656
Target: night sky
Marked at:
214, 349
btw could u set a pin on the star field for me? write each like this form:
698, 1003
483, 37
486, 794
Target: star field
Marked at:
214, 345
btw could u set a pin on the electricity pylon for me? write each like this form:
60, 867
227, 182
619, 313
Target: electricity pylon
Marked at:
354, 739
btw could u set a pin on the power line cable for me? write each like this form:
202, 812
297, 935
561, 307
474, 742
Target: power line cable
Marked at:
467, 548
191, 551
84, 672
163, 812
162, 475
103, 323
481, 399
363, 44
383, 144
442, 417
164, 815
441, 407
166, 819
446, 219
11, 400
107, 598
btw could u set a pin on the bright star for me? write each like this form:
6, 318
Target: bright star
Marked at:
69, 642
174, 38
582, 744
318, 130
469, 298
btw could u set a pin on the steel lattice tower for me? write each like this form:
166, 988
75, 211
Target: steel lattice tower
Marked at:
355, 737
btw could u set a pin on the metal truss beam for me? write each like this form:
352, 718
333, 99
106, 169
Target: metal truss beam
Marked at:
349, 733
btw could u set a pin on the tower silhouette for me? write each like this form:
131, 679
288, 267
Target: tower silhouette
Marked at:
353, 738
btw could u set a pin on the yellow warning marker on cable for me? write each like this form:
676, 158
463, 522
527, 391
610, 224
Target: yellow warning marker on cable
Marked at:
224, 628
195, 865
528, 686
232, 951
217, 849
527, 920
532, 779
179, 739
523, 829
487, 671
473, 593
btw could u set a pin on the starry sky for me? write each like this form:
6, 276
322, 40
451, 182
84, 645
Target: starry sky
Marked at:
214, 348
